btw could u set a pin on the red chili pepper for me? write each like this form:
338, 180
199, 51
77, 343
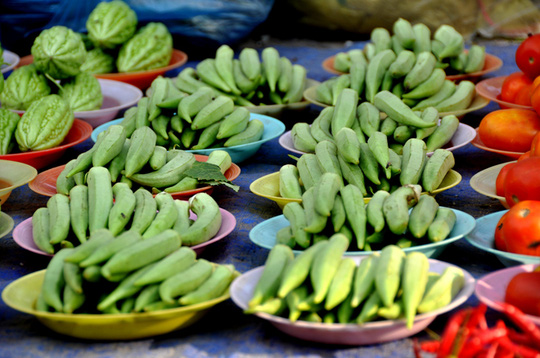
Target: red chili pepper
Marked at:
519, 338
521, 320
430, 346
521, 351
416, 348
451, 331
503, 353
480, 338
478, 317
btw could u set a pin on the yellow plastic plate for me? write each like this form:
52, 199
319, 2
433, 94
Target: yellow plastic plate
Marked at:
22, 294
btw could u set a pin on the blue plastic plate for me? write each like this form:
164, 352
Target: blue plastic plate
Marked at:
273, 128
483, 237
264, 235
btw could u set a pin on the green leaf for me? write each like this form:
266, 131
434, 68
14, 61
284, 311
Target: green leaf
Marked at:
209, 174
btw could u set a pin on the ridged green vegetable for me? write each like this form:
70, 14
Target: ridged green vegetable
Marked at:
149, 48
82, 92
111, 24
8, 125
98, 62
24, 86
59, 52
45, 124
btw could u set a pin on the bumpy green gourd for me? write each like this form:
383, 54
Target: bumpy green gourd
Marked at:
82, 92
111, 24
98, 62
8, 124
24, 86
149, 48
45, 124
59, 51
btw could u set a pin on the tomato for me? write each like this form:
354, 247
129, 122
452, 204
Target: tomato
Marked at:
528, 56
535, 146
509, 129
523, 96
521, 182
520, 228
535, 99
525, 155
500, 240
501, 177
520, 292
512, 84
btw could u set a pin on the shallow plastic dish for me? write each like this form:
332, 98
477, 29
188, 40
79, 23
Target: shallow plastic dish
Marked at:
348, 334
463, 136
79, 132
22, 234
491, 64
45, 182
12, 60
264, 235
490, 88
117, 96
22, 294
6, 224
483, 182
478, 102
13, 175
491, 288
273, 128
141, 79
477, 142
268, 187
483, 237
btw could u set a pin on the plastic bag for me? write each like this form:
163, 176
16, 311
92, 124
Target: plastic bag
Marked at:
217, 21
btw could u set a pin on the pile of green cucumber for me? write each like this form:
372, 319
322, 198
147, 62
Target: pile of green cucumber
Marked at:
446, 44
403, 218
388, 115
197, 120
250, 80
320, 285
128, 274
139, 162
69, 220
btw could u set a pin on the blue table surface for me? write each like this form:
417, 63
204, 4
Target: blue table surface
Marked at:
226, 331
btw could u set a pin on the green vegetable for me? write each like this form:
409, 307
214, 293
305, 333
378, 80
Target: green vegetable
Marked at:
98, 62
111, 24
24, 86
82, 92
59, 52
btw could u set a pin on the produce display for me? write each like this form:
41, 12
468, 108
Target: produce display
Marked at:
250, 80
403, 218
446, 45
143, 275
320, 285
69, 220
362, 121
140, 162
122, 244
191, 121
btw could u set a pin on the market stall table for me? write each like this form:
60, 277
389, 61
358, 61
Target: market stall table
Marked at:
226, 331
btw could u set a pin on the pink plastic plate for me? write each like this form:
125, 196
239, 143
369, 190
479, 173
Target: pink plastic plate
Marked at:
491, 288
22, 234
347, 334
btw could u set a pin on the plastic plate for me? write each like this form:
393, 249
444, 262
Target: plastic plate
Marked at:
14, 175
483, 182
348, 334
11, 59
264, 235
490, 88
